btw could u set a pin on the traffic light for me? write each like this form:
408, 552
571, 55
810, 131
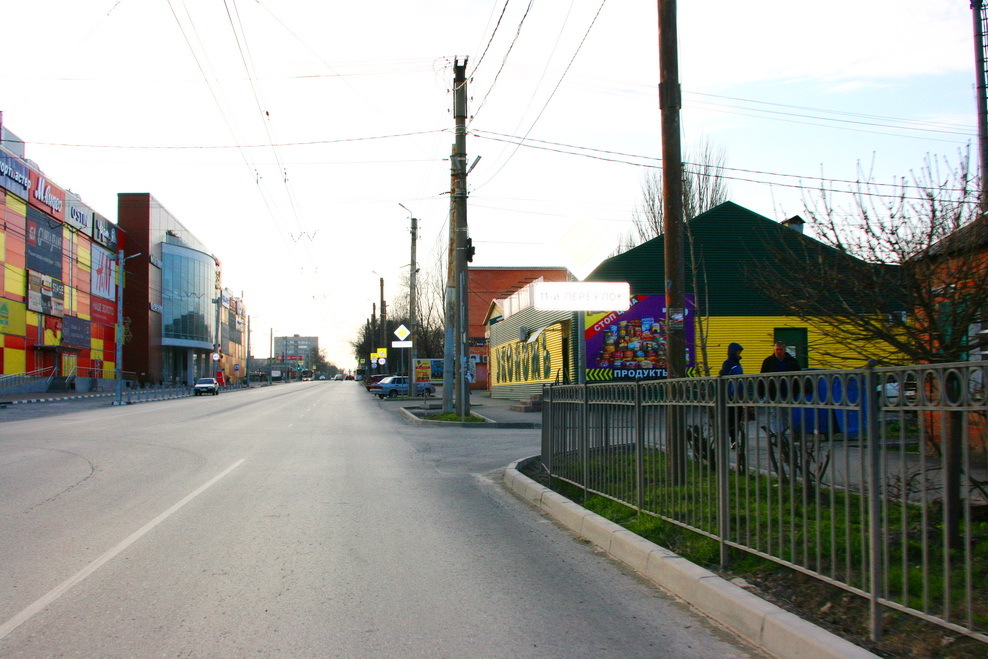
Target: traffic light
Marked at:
470, 250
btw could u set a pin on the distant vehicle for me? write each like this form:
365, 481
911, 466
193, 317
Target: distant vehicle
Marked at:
397, 385
338, 376
322, 377
349, 377
206, 386
306, 375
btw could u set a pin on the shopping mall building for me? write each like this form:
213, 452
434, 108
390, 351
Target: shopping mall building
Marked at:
59, 290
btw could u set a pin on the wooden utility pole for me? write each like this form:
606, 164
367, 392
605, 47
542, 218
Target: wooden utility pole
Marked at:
670, 103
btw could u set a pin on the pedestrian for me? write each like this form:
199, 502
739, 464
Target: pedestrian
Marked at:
780, 361
735, 413
732, 365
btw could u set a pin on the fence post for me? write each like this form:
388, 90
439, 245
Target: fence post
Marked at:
547, 427
639, 449
876, 546
722, 451
584, 441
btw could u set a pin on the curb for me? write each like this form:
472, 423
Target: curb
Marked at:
757, 621
517, 425
53, 399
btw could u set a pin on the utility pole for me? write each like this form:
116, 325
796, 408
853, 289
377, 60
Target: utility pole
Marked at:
980, 57
670, 103
412, 389
458, 166
383, 338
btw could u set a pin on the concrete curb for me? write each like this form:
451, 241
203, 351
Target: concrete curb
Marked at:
761, 623
52, 399
412, 418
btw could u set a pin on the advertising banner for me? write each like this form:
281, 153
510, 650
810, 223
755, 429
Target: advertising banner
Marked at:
13, 317
44, 244
45, 294
15, 176
104, 274
429, 370
75, 331
103, 311
631, 345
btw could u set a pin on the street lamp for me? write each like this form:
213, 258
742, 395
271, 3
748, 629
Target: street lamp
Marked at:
118, 371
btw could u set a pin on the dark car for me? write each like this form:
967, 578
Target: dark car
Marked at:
374, 379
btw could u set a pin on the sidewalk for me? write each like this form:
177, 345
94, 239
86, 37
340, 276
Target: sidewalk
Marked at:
497, 410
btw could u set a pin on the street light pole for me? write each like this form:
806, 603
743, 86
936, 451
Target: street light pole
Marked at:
118, 371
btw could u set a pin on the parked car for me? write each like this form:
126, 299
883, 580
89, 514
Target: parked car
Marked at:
206, 386
397, 385
374, 379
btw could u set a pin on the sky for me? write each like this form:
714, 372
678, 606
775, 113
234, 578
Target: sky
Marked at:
296, 138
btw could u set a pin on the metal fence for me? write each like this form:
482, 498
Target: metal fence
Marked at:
872, 480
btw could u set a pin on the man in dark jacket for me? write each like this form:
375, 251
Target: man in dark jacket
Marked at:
780, 360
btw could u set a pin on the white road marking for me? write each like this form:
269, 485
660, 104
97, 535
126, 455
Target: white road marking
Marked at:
52, 595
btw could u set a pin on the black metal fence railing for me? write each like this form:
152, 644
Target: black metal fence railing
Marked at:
873, 480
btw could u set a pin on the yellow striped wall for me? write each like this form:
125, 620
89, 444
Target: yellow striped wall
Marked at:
516, 362
756, 334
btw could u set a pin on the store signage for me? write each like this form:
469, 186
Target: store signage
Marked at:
75, 332
581, 296
103, 311
104, 232
154, 306
80, 217
46, 196
155, 261
15, 176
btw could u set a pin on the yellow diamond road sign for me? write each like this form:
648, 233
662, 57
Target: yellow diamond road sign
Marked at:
402, 332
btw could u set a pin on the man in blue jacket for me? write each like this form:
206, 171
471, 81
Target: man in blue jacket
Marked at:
735, 414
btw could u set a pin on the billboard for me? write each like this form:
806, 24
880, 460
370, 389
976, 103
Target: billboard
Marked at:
45, 294
44, 244
75, 331
103, 275
631, 345
429, 370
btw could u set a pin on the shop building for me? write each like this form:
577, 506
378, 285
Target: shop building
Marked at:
182, 324
58, 286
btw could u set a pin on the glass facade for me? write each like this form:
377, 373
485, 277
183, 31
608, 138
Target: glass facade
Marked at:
188, 291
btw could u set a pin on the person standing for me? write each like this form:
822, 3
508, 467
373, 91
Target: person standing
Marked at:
780, 361
735, 414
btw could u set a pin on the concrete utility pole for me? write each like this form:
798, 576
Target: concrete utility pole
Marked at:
383, 337
980, 57
411, 308
459, 172
670, 103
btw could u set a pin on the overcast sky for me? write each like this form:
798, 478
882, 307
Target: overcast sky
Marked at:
286, 133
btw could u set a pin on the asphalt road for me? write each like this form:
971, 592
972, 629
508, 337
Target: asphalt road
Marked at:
298, 520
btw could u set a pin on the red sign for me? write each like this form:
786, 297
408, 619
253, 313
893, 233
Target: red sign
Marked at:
103, 311
46, 196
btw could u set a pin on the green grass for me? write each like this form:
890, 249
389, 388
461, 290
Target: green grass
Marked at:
453, 416
824, 530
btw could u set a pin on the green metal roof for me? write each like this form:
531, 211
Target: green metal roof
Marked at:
733, 248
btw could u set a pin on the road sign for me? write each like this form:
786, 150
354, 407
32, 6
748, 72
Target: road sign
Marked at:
216, 356
382, 361
401, 344
402, 333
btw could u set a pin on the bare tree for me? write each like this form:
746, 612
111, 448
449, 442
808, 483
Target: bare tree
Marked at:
917, 289
704, 187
